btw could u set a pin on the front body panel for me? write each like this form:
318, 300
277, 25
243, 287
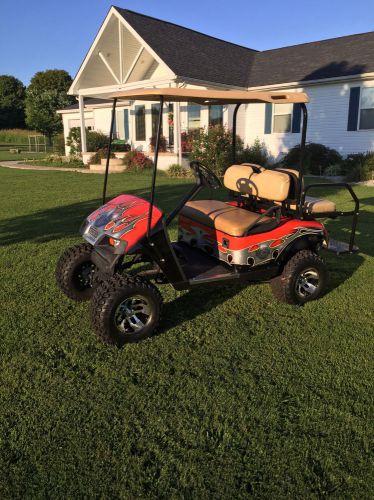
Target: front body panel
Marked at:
121, 222
253, 250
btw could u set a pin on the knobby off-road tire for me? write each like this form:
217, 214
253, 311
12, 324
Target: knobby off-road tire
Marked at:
75, 272
304, 278
125, 309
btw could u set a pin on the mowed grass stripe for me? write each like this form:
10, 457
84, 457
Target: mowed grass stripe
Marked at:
237, 396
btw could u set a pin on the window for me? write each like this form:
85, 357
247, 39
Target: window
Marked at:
367, 108
155, 111
215, 115
282, 118
140, 123
193, 113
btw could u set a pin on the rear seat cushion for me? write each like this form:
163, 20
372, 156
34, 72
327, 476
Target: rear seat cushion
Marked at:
318, 205
268, 184
221, 216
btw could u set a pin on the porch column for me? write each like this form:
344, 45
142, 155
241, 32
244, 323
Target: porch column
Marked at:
83, 125
177, 131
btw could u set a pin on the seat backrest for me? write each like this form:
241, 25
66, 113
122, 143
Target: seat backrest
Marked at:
267, 184
294, 174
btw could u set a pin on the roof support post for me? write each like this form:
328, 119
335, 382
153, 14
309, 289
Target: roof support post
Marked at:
234, 120
109, 148
157, 147
82, 123
302, 154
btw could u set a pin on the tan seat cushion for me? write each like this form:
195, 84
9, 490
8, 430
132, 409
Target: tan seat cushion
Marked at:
318, 205
268, 184
217, 214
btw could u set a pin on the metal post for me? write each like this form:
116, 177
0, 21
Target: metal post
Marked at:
109, 148
157, 146
302, 156
234, 118
303, 138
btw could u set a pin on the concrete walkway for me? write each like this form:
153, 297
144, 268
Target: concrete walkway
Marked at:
23, 166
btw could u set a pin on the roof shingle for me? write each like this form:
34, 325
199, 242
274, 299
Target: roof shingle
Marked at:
191, 54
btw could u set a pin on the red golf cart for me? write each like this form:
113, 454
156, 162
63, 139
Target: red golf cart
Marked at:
266, 231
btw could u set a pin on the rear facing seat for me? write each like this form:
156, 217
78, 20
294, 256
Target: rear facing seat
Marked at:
312, 205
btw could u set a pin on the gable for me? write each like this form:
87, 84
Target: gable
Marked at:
191, 54
117, 57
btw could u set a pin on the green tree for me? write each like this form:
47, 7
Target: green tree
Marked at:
46, 93
12, 102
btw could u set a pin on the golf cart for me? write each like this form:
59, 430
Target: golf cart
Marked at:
267, 231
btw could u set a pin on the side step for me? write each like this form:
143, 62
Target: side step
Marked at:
340, 247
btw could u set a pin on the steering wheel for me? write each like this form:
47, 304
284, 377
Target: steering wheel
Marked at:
205, 176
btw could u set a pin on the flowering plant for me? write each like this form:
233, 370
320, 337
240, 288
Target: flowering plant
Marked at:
136, 160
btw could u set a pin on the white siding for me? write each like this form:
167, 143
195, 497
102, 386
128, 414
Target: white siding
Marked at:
328, 116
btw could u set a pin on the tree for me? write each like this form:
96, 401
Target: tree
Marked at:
12, 102
46, 93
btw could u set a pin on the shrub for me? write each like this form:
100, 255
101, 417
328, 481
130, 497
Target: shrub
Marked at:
257, 153
212, 147
187, 138
317, 158
178, 171
100, 155
56, 160
162, 145
119, 147
95, 140
358, 167
136, 160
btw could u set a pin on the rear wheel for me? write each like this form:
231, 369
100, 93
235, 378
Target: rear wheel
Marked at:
75, 272
125, 309
304, 278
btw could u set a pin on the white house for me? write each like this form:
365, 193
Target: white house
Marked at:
132, 50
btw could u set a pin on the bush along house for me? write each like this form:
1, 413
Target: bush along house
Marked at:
132, 50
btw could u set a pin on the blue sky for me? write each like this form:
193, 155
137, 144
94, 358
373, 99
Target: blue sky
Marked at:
44, 34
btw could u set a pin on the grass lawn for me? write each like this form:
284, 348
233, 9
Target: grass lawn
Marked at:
237, 396
7, 156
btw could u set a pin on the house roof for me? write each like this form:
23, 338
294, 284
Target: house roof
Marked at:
89, 101
336, 57
192, 54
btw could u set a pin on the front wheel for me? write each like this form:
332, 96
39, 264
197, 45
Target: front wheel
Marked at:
75, 272
304, 278
125, 310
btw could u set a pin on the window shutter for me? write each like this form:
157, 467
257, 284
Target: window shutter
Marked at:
296, 118
268, 117
126, 124
354, 106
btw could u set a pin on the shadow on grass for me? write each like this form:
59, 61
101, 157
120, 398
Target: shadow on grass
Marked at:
195, 302
64, 221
